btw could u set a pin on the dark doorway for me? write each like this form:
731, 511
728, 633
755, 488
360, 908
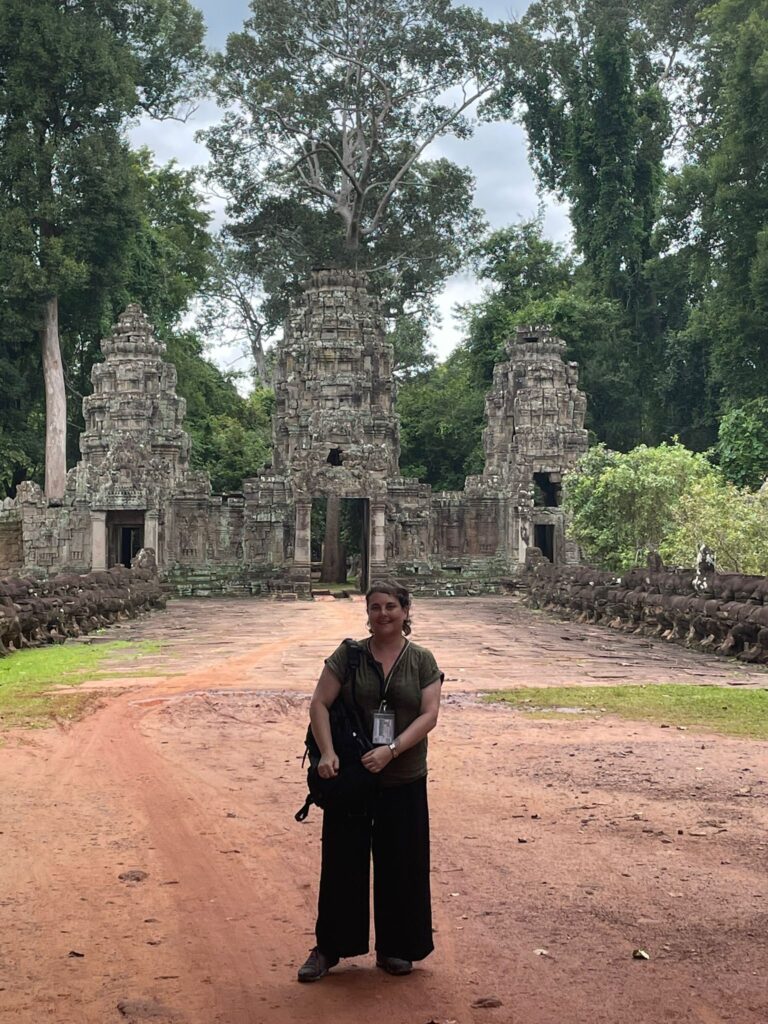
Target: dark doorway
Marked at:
544, 540
125, 537
340, 541
546, 491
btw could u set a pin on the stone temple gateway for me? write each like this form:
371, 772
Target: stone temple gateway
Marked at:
335, 434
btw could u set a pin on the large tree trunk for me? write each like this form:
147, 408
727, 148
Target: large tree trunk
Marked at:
334, 567
55, 403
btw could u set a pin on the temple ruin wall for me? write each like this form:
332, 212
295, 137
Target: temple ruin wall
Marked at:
335, 435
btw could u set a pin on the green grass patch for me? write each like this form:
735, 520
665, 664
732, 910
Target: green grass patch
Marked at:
28, 680
717, 708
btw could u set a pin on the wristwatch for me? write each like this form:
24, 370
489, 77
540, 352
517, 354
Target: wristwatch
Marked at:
393, 747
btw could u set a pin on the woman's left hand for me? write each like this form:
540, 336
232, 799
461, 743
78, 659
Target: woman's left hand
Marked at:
377, 759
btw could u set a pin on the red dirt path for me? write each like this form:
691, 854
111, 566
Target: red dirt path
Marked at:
558, 847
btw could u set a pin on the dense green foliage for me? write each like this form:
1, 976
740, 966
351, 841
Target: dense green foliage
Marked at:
731, 521
231, 435
162, 265
534, 281
441, 413
651, 123
724, 189
72, 75
622, 506
588, 89
665, 499
742, 443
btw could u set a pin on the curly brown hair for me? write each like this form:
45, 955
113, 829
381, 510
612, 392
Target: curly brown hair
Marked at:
393, 588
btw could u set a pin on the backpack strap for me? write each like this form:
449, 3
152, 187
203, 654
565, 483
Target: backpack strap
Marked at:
303, 811
354, 654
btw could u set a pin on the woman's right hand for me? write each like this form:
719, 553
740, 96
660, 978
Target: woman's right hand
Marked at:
328, 766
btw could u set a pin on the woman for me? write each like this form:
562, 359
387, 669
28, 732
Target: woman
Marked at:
397, 689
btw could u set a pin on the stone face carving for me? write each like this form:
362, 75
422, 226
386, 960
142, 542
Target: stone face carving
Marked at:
335, 433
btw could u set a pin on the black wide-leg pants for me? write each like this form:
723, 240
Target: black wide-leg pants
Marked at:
396, 830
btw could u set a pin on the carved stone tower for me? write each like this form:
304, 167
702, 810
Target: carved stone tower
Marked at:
334, 422
134, 400
335, 431
534, 434
134, 449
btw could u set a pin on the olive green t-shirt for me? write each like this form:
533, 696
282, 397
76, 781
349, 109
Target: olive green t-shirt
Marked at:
414, 670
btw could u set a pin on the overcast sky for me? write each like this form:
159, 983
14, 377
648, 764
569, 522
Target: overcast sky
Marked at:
496, 155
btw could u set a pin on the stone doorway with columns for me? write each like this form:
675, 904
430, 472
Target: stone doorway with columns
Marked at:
340, 542
125, 537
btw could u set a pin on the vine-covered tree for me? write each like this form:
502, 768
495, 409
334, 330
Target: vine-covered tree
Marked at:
722, 205
71, 74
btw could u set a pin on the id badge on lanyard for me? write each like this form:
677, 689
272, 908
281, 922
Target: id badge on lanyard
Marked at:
383, 725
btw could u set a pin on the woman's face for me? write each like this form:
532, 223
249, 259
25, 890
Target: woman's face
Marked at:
386, 616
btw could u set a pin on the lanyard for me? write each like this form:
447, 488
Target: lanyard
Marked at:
384, 683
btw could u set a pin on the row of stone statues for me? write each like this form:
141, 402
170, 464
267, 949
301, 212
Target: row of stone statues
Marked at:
34, 612
723, 612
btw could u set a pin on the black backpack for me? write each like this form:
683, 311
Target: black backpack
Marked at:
352, 788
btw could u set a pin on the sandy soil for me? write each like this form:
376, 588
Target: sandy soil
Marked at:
559, 847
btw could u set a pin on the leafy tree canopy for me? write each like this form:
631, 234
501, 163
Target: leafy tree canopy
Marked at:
728, 519
342, 98
742, 443
441, 414
522, 267
330, 107
161, 265
71, 76
536, 281
607, 93
622, 505
588, 89
722, 203
266, 254
231, 435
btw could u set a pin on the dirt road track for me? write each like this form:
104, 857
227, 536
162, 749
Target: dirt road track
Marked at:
558, 847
